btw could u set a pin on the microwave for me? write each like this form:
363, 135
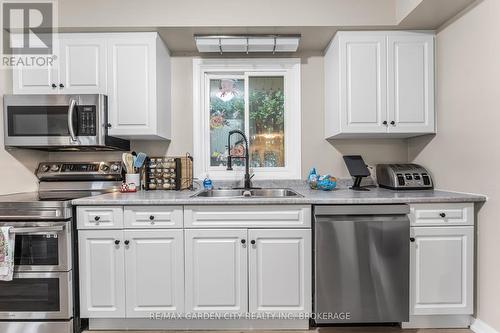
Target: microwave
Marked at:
59, 122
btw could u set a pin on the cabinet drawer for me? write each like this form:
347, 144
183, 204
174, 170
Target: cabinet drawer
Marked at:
153, 217
99, 217
272, 216
442, 214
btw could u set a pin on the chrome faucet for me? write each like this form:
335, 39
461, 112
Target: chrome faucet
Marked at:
248, 177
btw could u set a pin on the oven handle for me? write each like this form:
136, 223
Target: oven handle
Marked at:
38, 230
71, 108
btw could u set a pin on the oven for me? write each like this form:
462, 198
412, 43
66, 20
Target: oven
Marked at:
41, 287
37, 295
41, 246
59, 122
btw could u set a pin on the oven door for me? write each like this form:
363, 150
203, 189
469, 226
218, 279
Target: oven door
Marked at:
37, 296
39, 121
41, 246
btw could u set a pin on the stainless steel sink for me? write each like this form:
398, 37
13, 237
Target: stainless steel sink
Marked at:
253, 193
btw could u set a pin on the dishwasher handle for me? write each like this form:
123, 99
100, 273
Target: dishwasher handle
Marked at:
330, 210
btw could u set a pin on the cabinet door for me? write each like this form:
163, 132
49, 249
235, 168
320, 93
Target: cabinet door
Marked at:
132, 103
154, 266
363, 72
280, 270
411, 83
34, 80
441, 270
216, 270
82, 68
102, 276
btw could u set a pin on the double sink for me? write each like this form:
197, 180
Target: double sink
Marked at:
248, 193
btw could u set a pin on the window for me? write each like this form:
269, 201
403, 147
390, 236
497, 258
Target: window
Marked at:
260, 97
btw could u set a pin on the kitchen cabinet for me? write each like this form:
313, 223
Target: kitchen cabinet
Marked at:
139, 86
279, 270
441, 265
442, 270
154, 271
82, 64
128, 273
102, 278
132, 69
276, 279
216, 270
379, 84
80, 68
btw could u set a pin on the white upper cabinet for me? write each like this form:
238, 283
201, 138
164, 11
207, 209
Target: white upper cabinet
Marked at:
35, 80
379, 84
82, 64
132, 69
411, 83
139, 86
363, 74
80, 68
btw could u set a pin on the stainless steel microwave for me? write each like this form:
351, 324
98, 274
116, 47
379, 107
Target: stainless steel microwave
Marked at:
59, 122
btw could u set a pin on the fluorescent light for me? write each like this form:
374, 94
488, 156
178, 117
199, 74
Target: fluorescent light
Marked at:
233, 44
207, 44
250, 43
287, 44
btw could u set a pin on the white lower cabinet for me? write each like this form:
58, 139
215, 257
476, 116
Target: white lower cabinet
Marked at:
216, 270
441, 270
154, 271
276, 279
102, 276
280, 270
130, 273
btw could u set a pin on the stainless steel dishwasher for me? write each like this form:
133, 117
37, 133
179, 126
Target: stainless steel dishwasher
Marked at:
361, 258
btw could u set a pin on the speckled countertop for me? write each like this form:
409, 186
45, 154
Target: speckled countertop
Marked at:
340, 195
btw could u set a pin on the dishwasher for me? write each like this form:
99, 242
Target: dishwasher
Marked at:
361, 264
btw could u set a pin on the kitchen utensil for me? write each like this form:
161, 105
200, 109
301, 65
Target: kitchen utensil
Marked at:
128, 162
139, 161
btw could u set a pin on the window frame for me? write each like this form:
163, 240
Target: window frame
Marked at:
203, 69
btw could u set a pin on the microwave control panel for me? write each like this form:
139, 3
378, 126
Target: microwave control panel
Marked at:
87, 120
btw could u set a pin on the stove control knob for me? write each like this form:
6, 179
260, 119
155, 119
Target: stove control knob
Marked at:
45, 168
104, 167
54, 168
115, 167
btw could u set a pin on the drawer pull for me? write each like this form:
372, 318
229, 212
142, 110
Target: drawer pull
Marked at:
117, 242
97, 218
151, 217
126, 242
443, 215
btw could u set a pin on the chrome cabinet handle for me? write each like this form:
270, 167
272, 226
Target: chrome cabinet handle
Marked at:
71, 108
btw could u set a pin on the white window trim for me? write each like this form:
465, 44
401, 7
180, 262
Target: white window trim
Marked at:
290, 67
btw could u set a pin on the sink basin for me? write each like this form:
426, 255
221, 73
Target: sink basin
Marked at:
253, 193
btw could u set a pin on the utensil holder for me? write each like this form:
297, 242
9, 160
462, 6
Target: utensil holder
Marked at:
133, 178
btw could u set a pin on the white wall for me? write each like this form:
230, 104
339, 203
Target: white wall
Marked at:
465, 154
325, 156
220, 13
16, 167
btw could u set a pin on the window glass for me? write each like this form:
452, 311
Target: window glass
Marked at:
266, 121
227, 112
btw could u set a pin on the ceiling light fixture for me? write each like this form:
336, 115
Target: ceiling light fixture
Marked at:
247, 43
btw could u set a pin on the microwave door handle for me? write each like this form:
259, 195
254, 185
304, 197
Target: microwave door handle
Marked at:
31, 230
71, 109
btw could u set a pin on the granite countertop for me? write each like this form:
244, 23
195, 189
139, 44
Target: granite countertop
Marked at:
341, 195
